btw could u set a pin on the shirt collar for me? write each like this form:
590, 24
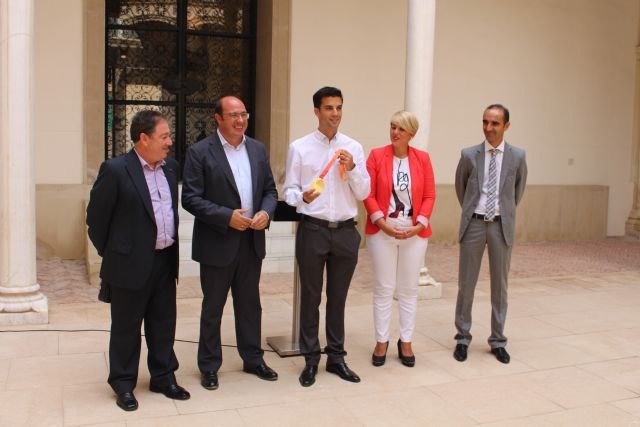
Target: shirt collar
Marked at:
489, 147
144, 163
225, 143
323, 138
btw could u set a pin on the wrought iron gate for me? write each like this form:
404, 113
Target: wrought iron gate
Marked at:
178, 57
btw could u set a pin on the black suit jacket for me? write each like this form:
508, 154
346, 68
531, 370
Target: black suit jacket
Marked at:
121, 223
210, 193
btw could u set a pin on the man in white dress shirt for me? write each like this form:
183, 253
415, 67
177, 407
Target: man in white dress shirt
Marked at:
229, 188
327, 234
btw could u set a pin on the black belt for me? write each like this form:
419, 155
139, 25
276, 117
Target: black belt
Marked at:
329, 224
161, 251
484, 218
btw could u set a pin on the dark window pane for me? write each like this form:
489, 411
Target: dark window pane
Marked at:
218, 66
138, 67
200, 124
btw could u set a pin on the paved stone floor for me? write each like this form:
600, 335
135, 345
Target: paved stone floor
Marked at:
573, 325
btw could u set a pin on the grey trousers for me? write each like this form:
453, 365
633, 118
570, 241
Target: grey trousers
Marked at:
336, 249
478, 235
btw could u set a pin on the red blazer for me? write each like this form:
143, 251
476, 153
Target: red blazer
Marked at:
423, 187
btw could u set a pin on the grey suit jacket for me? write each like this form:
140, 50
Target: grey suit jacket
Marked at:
469, 179
210, 193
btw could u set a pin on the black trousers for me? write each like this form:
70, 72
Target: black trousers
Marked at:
243, 277
336, 249
155, 304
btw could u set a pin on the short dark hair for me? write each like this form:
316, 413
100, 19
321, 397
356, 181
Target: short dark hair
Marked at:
217, 107
144, 121
324, 93
505, 110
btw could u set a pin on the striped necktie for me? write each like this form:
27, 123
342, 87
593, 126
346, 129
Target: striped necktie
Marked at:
492, 187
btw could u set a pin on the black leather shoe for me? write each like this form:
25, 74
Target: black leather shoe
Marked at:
379, 360
308, 376
172, 391
127, 401
501, 354
409, 361
460, 354
209, 380
342, 370
263, 372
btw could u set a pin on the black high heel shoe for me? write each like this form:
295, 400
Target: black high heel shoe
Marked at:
379, 360
409, 361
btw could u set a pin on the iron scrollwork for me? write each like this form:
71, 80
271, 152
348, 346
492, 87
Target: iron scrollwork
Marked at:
176, 56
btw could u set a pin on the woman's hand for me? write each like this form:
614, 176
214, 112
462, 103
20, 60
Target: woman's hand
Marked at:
388, 229
412, 231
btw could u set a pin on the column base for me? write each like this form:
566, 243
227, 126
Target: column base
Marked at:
21, 309
632, 228
428, 287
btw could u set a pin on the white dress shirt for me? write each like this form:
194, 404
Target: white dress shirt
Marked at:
239, 161
307, 157
482, 203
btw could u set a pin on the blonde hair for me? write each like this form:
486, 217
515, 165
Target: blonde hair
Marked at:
406, 120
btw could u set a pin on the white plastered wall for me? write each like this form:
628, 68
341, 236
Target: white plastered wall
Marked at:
358, 46
566, 70
59, 145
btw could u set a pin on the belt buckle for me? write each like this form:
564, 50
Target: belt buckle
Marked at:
488, 220
332, 224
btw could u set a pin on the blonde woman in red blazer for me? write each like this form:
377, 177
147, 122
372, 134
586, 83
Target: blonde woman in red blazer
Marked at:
398, 211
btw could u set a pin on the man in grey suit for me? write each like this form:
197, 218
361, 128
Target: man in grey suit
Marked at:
228, 186
490, 181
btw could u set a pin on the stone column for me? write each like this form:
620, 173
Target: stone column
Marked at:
633, 222
20, 299
421, 27
419, 73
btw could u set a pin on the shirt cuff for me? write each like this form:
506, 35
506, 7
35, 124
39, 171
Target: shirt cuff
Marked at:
423, 220
376, 216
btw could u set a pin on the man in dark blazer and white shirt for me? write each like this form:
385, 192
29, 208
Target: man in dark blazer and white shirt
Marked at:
229, 188
488, 219
133, 223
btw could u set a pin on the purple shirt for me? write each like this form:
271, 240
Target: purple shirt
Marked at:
162, 204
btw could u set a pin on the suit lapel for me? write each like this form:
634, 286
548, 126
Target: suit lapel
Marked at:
480, 165
216, 150
134, 168
507, 158
252, 152
171, 176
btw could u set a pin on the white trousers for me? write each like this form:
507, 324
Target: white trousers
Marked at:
396, 267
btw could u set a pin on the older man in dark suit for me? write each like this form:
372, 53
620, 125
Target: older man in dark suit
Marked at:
133, 223
229, 188
490, 181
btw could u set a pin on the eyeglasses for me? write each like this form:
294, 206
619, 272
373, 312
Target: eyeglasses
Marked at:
236, 116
